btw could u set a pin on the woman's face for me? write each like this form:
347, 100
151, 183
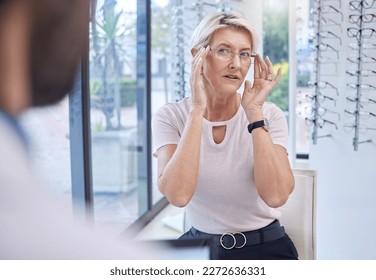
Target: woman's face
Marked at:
222, 72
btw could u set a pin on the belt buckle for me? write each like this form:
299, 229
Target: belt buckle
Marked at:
235, 242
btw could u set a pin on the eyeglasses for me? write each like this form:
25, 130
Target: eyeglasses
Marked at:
318, 1
320, 98
329, 9
357, 33
364, 73
326, 47
322, 84
362, 114
324, 60
362, 86
364, 59
361, 100
356, 46
321, 111
328, 23
357, 5
361, 128
320, 122
357, 19
327, 34
226, 54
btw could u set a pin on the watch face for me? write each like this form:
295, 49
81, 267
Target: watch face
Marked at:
266, 123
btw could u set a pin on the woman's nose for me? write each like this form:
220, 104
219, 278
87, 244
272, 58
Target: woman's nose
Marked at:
235, 61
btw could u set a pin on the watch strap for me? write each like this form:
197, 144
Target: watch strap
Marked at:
257, 124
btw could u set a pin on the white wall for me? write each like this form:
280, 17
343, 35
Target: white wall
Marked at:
346, 196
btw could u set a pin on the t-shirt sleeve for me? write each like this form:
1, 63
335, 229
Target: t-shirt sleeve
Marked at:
278, 127
164, 128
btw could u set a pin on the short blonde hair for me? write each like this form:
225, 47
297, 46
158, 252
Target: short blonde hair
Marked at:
215, 21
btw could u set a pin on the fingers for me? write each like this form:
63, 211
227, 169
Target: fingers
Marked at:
257, 68
260, 68
247, 86
278, 76
198, 59
270, 69
264, 69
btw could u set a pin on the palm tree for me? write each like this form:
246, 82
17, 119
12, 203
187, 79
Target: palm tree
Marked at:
108, 57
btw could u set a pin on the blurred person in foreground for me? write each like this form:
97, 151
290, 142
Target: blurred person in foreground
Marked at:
223, 154
41, 42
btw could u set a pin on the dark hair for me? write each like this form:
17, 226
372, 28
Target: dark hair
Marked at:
57, 43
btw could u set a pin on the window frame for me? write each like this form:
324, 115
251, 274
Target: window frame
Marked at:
80, 132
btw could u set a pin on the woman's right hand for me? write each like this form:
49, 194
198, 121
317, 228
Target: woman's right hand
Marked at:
198, 95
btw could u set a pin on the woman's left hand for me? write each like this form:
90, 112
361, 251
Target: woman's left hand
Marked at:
255, 95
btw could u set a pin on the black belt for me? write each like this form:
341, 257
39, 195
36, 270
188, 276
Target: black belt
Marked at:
230, 240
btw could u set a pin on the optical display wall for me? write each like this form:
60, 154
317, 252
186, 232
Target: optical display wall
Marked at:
186, 16
343, 126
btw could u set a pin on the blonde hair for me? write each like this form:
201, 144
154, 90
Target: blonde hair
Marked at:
215, 21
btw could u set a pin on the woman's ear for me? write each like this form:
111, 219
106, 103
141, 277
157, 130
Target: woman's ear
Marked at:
194, 51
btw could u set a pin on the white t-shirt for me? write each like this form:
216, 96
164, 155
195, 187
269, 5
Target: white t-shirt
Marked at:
225, 198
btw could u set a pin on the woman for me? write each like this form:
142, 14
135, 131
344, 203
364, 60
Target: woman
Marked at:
222, 154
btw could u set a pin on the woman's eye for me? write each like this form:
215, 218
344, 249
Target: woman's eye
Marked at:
224, 51
245, 54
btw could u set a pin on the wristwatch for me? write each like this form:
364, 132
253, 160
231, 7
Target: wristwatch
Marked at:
262, 123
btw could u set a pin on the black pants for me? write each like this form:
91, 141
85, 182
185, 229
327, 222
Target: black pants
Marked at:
280, 249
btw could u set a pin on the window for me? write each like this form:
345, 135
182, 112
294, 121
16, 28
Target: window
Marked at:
161, 66
119, 117
275, 45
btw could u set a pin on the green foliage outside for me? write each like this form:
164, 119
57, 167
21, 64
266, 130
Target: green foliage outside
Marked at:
276, 46
161, 30
276, 31
279, 95
128, 91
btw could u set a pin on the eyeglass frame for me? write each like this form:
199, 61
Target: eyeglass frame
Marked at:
347, 127
326, 20
362, 59
333, 8
316, 84
313, 121
361, 3
361, 73
362, 114
365, 46
360, 18
324, 96
232, 54
323, 111
318, 1
323, 60
361, 100
320, 34
359, 32
324, 47
361, 86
